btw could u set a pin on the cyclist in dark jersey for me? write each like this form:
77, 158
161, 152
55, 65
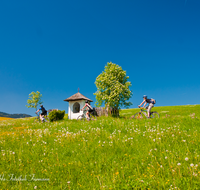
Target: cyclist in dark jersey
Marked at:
89, 109
151, 103
44, 112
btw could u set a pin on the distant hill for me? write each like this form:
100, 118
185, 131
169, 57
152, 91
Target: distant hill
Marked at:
3, 114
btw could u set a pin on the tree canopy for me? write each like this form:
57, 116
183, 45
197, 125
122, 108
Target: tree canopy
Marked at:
34, 100
113, 87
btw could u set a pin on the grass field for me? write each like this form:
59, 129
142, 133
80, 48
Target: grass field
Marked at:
110, 153
5, 118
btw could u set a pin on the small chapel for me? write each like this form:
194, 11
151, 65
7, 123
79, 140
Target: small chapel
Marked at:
76, 103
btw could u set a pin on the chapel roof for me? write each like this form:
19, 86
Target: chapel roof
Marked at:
77, 96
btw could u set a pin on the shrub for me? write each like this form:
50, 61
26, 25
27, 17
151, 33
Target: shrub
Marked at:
56, 115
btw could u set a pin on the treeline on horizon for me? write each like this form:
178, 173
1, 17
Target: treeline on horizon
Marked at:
3, 114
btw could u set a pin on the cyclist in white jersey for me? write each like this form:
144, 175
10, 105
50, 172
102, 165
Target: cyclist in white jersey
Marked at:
89, 108
151, 103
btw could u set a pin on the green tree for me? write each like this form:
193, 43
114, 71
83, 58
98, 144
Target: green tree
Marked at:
113, 87
34, 100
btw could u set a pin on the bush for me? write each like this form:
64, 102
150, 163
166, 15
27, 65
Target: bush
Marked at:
56, 115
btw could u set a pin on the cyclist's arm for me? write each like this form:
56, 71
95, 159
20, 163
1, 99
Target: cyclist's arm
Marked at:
141, 104
145, 104
83, 107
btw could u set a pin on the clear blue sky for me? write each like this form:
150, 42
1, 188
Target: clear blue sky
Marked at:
56, 47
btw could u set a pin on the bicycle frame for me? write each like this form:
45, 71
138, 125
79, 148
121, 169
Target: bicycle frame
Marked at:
38, 117
143, 113
83, 116
84, 113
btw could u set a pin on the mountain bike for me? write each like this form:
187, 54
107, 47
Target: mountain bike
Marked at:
37, 119
143, 113
92, 116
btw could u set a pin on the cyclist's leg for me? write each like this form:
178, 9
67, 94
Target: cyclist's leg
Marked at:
87, 115
42, 116
149, 109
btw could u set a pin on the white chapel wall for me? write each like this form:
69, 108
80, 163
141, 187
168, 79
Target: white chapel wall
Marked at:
72, 115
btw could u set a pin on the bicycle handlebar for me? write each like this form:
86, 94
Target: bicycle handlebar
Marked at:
142, 108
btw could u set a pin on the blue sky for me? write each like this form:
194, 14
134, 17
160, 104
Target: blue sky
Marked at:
56, 47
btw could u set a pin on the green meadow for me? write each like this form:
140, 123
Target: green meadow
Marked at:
110, 153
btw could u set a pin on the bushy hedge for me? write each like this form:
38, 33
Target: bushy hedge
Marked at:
56, 115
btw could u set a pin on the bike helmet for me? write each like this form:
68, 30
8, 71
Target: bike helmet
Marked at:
41, 105
145, 96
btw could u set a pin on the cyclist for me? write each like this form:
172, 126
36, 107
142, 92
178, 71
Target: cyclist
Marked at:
89, 109
44, 112
151, 103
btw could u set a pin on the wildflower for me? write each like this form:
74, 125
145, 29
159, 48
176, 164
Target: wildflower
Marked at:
35, 187
165, 157
186, 159
192, 165
194, 174
178, 164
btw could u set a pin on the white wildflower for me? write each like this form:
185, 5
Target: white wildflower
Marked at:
194, 174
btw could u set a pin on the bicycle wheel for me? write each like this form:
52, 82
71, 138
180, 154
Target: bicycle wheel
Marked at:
46, 119
154, 114
81, 117
36, 120
139, 115
93, 117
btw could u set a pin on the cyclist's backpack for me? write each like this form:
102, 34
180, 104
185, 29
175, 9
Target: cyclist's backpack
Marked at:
153, 100
90, 107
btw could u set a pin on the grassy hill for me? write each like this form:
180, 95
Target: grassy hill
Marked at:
110, 153
3, 114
